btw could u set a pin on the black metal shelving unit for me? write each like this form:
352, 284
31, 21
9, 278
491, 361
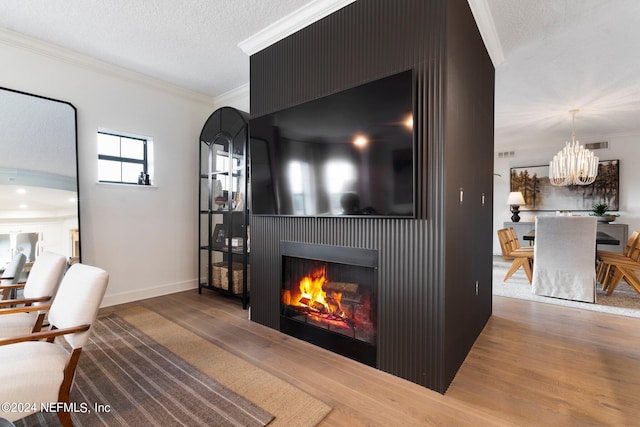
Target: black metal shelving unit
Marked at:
223, 214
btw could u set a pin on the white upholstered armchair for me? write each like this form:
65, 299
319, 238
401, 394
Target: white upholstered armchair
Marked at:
564, 251
21, 316
42, 371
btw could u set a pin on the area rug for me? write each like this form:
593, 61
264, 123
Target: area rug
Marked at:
290, 405
624, 301
126, 378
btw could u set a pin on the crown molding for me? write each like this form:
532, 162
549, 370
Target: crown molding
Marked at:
487, 27
39, 47
237, 96
295, 21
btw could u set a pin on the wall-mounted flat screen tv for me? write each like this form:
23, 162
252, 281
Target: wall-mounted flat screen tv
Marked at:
348, 153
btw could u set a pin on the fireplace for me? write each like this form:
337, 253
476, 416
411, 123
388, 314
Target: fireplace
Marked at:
328, 298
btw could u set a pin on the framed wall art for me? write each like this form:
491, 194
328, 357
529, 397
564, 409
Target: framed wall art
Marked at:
219, 235
540, 195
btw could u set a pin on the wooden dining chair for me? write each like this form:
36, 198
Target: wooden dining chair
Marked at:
511, 249
619, 267
605, 269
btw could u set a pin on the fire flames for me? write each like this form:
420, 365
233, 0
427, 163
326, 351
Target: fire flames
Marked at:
315, 301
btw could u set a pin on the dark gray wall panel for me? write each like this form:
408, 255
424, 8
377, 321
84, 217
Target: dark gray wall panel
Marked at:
469, 100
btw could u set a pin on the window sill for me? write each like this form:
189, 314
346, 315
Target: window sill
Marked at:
124, 184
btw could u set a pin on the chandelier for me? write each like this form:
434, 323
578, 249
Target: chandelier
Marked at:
574, 164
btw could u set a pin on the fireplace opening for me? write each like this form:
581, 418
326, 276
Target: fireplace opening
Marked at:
328, 298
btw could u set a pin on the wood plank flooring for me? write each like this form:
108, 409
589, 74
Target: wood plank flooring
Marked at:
534, 364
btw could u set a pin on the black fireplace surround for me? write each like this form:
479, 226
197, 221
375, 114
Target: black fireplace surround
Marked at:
346, 279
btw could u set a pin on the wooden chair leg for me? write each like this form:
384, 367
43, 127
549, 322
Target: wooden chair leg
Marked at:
37, 327
516, 264
65, 387
630, 278
600, 273
606, 271
65, 419
613, 280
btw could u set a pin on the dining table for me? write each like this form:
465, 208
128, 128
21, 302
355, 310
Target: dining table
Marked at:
602, 238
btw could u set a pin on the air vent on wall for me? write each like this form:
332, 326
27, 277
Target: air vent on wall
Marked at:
506, 154
597, 145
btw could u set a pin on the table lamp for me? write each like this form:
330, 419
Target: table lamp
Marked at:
516, 200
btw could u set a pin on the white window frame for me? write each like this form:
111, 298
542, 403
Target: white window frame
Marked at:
146, 162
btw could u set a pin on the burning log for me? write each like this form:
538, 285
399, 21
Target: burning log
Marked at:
319, 307
323, 302
345, 287
352, 298
305, 301
313, 305
348, 292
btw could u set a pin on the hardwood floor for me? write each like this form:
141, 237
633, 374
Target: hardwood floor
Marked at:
534, 364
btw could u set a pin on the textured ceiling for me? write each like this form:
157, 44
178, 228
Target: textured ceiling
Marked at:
558, 54
192, 44
36, 202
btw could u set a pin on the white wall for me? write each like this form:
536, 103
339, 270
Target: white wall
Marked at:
624, 148
145, 237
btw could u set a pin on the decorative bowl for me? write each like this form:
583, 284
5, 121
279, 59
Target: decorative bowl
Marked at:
606, 218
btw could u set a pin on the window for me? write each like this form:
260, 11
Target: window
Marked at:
340, 177
123, 159
301, 187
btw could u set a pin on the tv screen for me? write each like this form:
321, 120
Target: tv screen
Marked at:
348, 153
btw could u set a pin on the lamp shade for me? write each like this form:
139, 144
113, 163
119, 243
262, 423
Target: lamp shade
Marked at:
515, 198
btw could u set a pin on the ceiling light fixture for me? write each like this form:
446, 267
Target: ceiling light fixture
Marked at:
574, 164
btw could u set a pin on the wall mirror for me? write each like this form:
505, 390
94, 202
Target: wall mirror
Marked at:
38, 177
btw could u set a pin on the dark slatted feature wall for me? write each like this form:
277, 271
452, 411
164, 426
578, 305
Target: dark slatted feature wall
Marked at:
366, 40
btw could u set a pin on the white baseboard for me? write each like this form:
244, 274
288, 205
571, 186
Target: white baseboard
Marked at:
140, 294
